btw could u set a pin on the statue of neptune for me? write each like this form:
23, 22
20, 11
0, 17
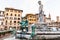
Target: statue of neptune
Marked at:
40, 12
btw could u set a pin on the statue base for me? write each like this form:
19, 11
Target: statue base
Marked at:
41, 24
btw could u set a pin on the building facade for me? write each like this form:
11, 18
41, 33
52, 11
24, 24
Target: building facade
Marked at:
32, 18
48, 19
12, 18
57, 19
1, 20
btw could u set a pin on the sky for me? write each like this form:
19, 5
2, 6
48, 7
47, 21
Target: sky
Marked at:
31, 6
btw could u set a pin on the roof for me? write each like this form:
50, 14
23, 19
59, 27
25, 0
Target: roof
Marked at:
1, 11
14, 9
30, 14
23, 17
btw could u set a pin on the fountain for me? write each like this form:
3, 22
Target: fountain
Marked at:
41, 23
37, 25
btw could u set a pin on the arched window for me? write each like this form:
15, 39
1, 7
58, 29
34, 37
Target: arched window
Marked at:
11, 15
14, 21
18, 14
10, 22
7, 14
18, 18
6, 22
15, 14
5, 28
18, 21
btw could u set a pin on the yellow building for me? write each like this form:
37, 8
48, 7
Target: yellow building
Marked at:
12, 18
32, 18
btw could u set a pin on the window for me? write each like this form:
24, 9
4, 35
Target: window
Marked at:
18, 18
18, 14
7, 14
11, 14
15, 18
18, 21
30, 23
10, 22
5, 28
14, 27
6, 22
2, 23
6, 17
18, 27
30, 20
3, 12
11, 17
30, 16
15, 14
14, 21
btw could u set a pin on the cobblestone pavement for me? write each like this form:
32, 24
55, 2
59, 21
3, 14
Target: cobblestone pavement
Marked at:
12, 38
41, 36
5, 37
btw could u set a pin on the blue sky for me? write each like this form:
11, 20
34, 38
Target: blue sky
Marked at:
31, 6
